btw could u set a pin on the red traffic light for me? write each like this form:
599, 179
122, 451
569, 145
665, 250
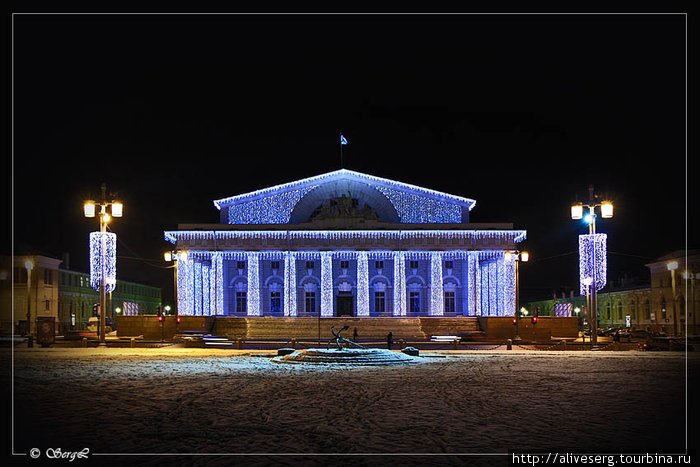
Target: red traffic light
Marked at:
178, 319
160, 317
534, 320
515, 321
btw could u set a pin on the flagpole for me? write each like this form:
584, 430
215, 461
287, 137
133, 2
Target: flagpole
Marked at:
340, 142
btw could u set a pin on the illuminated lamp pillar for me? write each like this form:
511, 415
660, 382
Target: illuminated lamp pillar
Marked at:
362, 284
253, 294
326, 284
290, 285
437, 300
399, 284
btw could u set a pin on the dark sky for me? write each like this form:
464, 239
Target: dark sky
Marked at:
519, 112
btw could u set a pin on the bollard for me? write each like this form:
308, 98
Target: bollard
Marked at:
455, 343
30, 342
239, 343
400, 344
133, 342
509, 344
563, 344
294, 343
84, 342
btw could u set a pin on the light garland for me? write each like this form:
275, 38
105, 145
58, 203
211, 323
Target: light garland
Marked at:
197, 269
274, 209
184, 286
110, 255
221, 236
362, 284
326, 284
399, 284
473, 285
417, 209
218, 268
342, 174
253, 294
437, 296
290, 288
589, 247
206, 290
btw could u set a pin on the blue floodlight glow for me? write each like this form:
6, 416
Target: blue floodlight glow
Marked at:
592, 254
253, 294
110, 260
588, 219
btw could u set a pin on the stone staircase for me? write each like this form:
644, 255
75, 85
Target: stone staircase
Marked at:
277, 328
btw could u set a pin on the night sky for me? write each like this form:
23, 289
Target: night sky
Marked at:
520, 112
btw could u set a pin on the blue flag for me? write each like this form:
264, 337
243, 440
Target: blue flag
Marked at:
343, 141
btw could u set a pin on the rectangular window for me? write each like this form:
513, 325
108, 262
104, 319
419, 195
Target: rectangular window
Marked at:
47, 305
379, 264
310, 302
449, 302
274, 264
379, 302
20, 276
413, 264
309, 265
275, 302
344, 264
414, 302
240, 264
241, 302
48, 276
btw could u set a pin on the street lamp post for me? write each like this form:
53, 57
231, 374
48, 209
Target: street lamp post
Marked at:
587, 282
89, 211
606, 211
672, 266
29, 265
517, 256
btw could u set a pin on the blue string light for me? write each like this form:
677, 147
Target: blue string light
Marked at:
110, 260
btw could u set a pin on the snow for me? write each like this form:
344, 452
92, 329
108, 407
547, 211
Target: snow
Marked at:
226, 401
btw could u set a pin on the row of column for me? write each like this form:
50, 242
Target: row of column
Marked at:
490, 284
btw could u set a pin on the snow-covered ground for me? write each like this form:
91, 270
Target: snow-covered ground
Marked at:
218, 401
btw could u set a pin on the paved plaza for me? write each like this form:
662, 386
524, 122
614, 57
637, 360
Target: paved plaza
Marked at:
232, 402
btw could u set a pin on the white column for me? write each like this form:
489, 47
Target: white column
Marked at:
217, 267
399, 284
472, 282
493, 288
253, 294
474, 262
437, 295
198, 288
184, 287
290, 285
326, 284
362, 284
509, 287
206, 289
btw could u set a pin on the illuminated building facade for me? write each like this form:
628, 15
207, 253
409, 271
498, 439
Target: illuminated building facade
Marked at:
345, 244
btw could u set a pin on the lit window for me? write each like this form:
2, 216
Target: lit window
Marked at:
241, 302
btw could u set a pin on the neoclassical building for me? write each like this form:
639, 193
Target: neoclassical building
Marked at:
345, 243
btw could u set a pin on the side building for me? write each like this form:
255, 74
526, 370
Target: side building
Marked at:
34, 286
669, 304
